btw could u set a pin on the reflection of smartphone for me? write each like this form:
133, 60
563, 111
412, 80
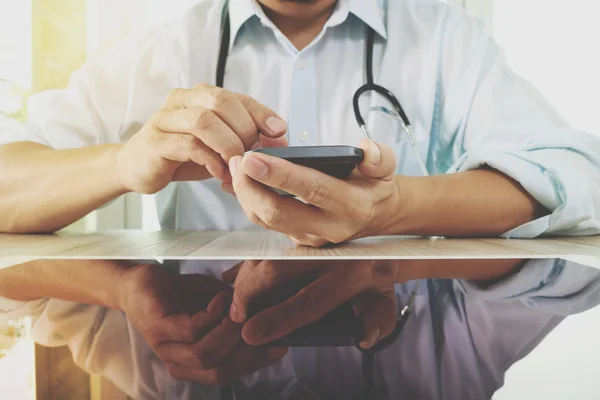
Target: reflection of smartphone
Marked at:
339, 328
337, 161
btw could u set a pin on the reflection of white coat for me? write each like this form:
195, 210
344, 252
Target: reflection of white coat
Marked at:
457, 344
467, 108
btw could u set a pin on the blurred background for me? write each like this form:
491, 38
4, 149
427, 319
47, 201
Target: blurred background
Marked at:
552, 43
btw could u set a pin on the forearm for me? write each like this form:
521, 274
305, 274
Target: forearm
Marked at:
93, 282
484, 272
44, 190
466, 204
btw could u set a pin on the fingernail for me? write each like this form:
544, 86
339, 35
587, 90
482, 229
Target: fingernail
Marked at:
256, 168
276, 125
374, 337
233, 164
235, 314
373, 153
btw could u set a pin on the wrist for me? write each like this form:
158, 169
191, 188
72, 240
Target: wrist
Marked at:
111, 294
414, 201
113, 164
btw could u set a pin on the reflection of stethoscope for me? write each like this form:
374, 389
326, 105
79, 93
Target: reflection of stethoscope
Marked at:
368, 362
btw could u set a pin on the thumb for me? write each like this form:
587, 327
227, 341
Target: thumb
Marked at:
377, 317
379, 161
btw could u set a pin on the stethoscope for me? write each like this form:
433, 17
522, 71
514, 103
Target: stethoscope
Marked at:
368, 355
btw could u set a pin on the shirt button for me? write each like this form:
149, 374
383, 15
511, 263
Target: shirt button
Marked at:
301, 64
304, 136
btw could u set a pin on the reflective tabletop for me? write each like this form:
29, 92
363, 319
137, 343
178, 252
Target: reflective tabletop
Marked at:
530, 335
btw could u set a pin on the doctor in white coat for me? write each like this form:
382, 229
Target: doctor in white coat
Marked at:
150, 119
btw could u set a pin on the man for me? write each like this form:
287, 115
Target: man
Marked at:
125, 124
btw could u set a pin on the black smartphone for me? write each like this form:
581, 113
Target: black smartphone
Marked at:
336, 161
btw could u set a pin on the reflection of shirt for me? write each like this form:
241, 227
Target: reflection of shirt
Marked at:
466, 106
457, 344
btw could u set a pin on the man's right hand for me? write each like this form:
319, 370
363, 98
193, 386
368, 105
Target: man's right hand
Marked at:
193, 137
184, 320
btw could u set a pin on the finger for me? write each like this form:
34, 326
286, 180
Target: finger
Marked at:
280, 213
207, 352
197, 157
228, 187
379, 161
269, 123
217, 343
309, 240
229, 108
181, 147
377, 318
308, 184
265, 357
266, 141
190, 171
205, 125
233, 366
256, 279
309, 305
180, 328
219, 305
229, 276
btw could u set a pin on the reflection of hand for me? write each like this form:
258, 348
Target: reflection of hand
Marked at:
337, 210
183, 319
369, 284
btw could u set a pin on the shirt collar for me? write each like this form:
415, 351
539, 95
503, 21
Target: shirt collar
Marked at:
371, 12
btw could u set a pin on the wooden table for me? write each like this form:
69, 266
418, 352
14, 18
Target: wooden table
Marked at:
242, 245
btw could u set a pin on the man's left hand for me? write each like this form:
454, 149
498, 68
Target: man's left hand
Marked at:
332, 210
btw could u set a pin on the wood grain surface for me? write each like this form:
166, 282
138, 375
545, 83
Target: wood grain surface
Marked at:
244, 245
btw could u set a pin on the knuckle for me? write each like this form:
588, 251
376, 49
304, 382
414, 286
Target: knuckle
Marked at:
201, 86
255, 219
222, 100
187, 333
249, 132
316, 191
246, 100
188, 142
234, 148
205, 120
173, 95
271, 215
